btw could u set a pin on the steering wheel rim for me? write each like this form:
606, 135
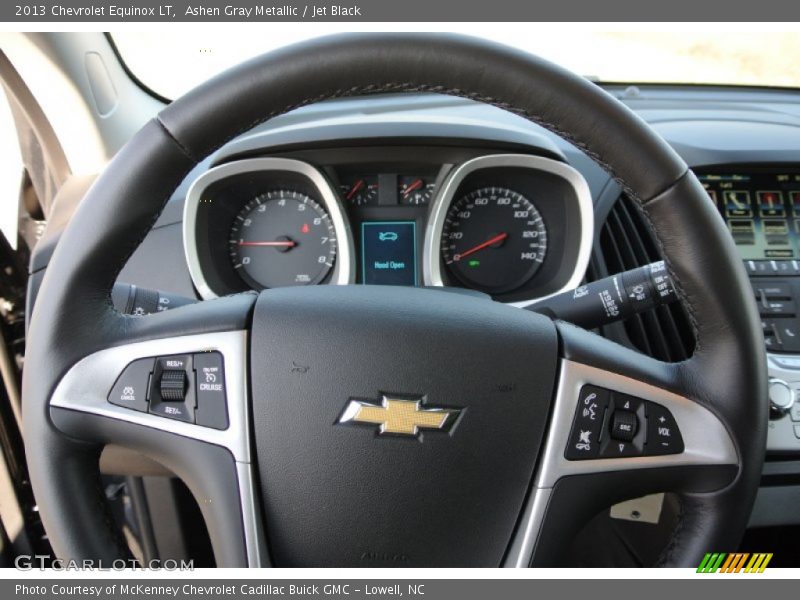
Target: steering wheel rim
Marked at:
725, 377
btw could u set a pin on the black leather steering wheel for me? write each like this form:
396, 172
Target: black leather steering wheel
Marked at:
496, 489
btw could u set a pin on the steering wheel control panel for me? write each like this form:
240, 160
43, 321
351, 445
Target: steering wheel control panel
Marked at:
610, 424
185, 387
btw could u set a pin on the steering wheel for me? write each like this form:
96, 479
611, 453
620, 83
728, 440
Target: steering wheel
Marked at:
485, 400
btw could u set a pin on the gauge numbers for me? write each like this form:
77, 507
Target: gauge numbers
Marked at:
415, 191
362, 191
494, 239
282, 238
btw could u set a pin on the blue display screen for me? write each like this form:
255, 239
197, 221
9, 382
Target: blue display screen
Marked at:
389, 253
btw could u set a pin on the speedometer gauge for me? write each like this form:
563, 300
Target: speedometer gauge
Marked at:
494, 239
282, 238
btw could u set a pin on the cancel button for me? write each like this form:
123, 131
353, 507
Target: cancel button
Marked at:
212, 409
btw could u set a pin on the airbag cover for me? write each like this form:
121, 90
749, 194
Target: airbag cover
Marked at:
337, 494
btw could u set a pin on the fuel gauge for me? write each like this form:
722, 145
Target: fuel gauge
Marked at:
360, 191
415, 191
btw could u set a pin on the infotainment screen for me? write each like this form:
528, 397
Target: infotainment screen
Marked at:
389, 252
761, 209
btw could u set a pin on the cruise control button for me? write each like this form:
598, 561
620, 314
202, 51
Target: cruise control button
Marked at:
171, 378
174, 363
212, 409
173, 410
663, 435
130, 389
584, 438
173, 386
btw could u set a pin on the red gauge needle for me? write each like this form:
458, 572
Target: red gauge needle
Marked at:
414, 186
498, 238
277, 244
357, 186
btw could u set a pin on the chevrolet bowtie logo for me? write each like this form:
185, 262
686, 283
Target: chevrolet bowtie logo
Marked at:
397, 416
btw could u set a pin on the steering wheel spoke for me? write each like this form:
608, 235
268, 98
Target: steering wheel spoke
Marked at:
617, 432
606, 422
181, 401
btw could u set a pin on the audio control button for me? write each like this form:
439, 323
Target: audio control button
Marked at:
663, 435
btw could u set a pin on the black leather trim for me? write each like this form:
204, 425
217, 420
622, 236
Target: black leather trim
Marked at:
728, 371
576, 499
73, 315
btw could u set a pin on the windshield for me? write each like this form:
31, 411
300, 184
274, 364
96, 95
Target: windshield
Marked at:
708, 53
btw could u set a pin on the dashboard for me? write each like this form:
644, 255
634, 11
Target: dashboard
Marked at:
515, 226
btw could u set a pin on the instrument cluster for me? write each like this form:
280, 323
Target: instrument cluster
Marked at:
517, 227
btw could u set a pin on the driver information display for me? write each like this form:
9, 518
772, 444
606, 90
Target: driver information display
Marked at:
389, 252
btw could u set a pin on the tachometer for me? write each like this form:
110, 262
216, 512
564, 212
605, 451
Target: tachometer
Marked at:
494, 239
282, 238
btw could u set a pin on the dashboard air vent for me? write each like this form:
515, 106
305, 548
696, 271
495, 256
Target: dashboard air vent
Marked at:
627, 242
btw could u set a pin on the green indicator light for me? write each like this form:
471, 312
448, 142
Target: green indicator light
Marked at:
474, 263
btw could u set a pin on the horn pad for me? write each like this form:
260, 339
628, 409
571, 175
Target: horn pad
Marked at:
465, 386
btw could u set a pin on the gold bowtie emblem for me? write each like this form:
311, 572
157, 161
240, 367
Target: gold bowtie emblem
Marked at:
397, 416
